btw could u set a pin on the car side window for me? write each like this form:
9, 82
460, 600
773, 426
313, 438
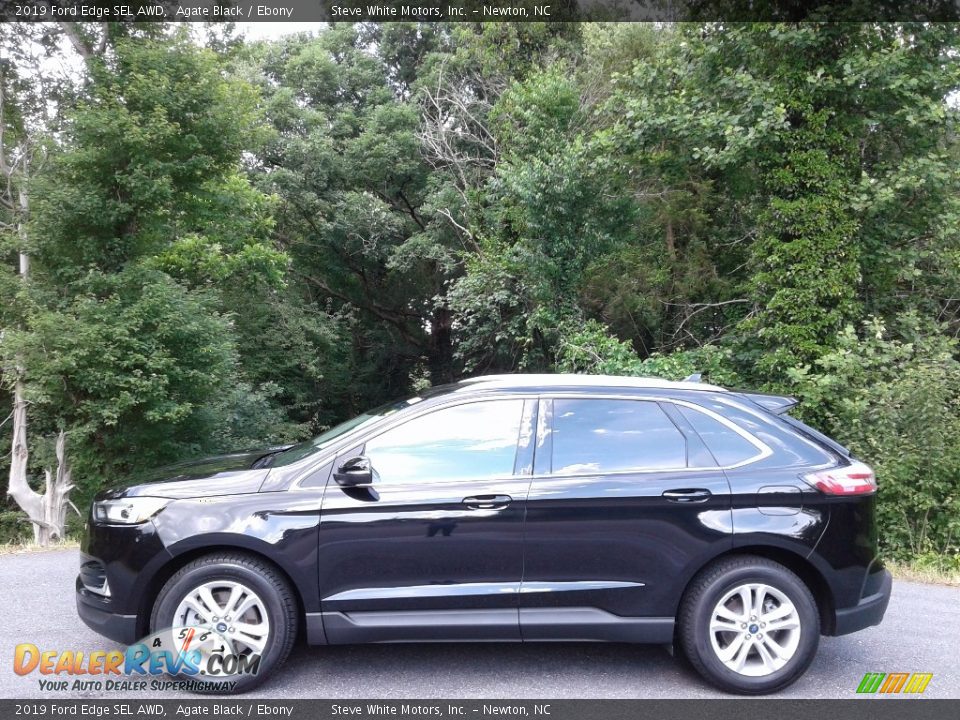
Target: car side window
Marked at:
594, 436
726, 445
474, 440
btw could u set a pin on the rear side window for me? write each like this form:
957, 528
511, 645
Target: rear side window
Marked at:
594, 436
727, 445
816, 435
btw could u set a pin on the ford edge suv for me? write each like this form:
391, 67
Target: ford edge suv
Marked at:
509, 508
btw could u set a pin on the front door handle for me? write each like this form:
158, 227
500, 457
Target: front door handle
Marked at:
687, 495
487, 502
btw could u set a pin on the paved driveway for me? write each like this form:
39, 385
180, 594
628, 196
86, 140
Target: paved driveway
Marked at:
921, 633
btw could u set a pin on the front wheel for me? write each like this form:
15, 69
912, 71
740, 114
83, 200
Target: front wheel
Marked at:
247, 606
749, 625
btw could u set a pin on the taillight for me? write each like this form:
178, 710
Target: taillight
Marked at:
854, 479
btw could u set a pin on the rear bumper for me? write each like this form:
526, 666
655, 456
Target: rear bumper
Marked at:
98, 616
868, 612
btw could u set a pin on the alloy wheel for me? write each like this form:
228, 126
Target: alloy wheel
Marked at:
755, 629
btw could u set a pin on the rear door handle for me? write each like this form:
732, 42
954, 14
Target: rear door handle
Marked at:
487, 502
687, 495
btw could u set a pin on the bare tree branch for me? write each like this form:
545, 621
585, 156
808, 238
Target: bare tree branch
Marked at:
79, 43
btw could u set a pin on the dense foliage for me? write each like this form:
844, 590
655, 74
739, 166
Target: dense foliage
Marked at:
242, 246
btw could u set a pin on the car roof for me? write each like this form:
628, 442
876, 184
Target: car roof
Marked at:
519, 381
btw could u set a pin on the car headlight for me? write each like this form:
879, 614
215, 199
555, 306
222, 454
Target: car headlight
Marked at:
128, 511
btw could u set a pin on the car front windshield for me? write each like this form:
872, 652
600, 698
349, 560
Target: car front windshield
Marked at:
325, 439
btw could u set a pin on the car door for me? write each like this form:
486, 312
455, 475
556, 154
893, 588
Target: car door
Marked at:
433, 548
625, 499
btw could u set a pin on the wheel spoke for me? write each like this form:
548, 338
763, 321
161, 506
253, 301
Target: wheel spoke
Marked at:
727, 653
722, 625
769, 663
256, 629
726, 613
197, 609
236, 593
746, 597
206, 597
775, 648
248, 602
760, 592
231, 645
783, 611
741, 658
254, 645
790, 623
253, 636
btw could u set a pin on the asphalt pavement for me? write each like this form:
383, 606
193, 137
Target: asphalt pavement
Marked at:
921, 633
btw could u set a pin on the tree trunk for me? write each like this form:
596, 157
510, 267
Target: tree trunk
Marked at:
440, 359
671, 242
47, 512
56, 497
18, 487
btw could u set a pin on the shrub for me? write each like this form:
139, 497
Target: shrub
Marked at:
896, 404
14, 527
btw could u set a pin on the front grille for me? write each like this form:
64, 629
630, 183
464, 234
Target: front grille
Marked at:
94, 577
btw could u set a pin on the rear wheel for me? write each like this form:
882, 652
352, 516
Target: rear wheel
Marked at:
246, 603
749, 625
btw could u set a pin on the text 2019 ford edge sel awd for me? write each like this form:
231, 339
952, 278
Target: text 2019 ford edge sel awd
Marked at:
511, 508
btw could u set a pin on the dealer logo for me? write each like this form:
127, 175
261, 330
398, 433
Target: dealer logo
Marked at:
195, 653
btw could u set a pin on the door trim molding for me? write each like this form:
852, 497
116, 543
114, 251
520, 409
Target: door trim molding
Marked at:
494, 625
592, 625
480, 588
421, 591
540, 586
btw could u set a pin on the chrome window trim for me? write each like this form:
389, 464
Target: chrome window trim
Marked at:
763, 450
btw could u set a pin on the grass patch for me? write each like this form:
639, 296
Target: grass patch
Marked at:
24, 548
924, 572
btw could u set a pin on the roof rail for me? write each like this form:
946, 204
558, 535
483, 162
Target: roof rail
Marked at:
574, 379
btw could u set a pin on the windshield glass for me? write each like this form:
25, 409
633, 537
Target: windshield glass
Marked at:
304, 449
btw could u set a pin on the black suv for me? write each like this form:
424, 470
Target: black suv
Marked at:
510, 508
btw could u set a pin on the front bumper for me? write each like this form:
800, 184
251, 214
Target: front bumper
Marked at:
98, 616
868, 612
121, 562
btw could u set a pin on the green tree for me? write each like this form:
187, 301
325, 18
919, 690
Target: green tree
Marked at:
141, 221
829, 134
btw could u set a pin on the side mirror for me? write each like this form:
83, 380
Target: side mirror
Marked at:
355, 472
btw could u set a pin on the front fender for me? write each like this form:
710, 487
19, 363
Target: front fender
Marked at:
281, 526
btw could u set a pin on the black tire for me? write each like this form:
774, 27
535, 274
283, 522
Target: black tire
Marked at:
254, 573
704, 594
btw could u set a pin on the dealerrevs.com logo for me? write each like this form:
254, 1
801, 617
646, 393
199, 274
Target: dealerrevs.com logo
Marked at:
201, 659
894, 683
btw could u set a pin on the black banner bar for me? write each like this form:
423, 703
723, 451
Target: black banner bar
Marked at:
479, 10
874, 708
